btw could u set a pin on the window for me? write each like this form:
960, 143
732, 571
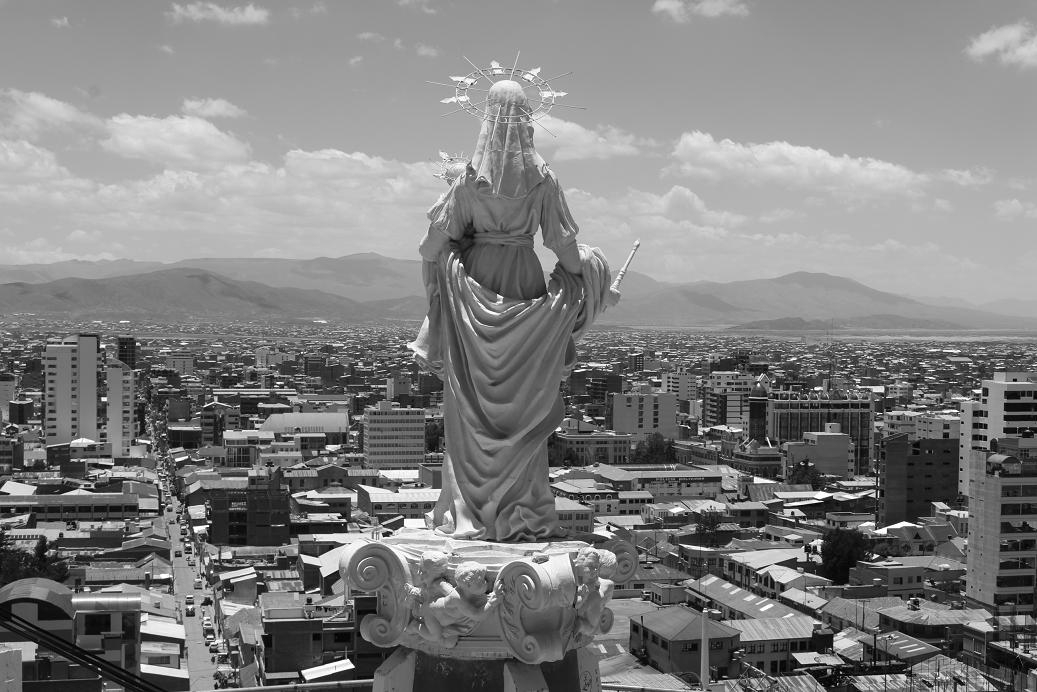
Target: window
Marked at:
96, 623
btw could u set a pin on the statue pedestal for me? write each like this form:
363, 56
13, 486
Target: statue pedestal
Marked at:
577, 671
547, 601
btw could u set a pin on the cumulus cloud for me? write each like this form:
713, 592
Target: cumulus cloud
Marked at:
247, 15
681, 11
29, 113
373, 36
699, 154
1012, 209
572, 141
356, 60
59, 22
426, 51
315, 8
425, 6
175, 141
168, 50
22, 161
972, 177
212, 108
1011, 44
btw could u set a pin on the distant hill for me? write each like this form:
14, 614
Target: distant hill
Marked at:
367, 285
180, 293
798, 324
79, 269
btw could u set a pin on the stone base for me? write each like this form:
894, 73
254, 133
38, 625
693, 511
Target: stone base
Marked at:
414, 671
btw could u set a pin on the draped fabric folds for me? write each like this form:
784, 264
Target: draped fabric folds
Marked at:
501, 361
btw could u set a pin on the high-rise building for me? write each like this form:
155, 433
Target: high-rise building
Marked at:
394, 437
682, 382
643, 413
830, 452
1007, 406
914, 473
216, 418
1002, 555
70, 398
790, 413
8, 389
180, 361
121, 408
128, 351
725, 398
758, 413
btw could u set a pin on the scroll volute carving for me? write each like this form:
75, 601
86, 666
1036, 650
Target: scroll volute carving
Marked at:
377, 568
535, 611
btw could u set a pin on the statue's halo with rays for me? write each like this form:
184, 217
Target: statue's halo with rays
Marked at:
470, 91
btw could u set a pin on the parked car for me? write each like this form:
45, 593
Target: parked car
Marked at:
177, 553
197, 583
189, 599
214, 647
207, 600
189, 611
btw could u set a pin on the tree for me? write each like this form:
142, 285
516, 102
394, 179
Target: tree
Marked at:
709, 527
840, 550
655, 449
805, 473
434, 434
18, 564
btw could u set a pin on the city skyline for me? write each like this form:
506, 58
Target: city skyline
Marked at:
735, 138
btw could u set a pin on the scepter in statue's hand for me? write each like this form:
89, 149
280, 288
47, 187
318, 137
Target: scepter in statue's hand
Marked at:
614, 294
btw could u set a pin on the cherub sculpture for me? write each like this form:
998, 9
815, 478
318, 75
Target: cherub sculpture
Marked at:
443, 612
593, 591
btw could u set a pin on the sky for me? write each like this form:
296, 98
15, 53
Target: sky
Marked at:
890, 141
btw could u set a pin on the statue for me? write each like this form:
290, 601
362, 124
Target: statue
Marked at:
499, 336
443, 611
594, 591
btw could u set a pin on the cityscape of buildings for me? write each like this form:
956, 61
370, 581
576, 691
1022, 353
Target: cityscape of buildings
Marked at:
847, 514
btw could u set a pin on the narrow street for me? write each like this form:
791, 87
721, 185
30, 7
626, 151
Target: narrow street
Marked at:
199, 660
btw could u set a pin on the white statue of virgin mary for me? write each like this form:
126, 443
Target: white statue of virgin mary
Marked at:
499, 336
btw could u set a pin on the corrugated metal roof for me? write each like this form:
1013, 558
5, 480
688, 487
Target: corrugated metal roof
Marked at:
765, 629
680, 623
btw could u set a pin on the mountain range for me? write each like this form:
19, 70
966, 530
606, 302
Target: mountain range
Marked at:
367, 286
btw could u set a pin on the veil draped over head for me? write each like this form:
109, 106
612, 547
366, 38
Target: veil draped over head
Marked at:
504, 155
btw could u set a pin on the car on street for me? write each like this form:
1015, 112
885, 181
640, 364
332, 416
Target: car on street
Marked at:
189, 599
190, 562
214, 647
207, 600
189, 611
197, 583
177, 553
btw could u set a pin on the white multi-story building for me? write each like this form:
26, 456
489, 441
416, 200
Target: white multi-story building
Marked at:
121, 413
8, 389
70, 399
394, 437
939, 426
681, 382
901, 423
643, 413
181, 361
725, 398
1002, 557
1007, 405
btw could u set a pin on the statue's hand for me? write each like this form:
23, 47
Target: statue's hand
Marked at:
612, 298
